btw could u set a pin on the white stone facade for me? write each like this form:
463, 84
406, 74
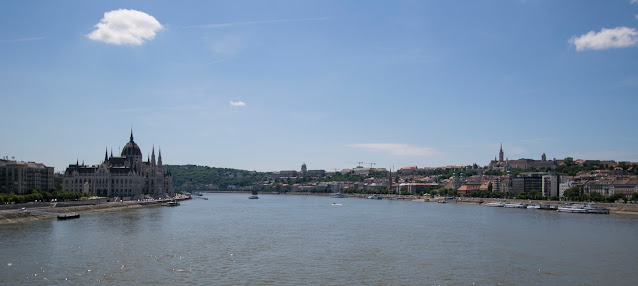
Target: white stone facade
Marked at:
123, 176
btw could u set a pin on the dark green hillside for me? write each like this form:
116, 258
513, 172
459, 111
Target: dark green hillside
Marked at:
203, 175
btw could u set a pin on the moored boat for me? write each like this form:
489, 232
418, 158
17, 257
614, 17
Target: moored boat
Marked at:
547, 207
172, 204
253, 197
572, 209
594, 209
533, 206
515, 205
495, 204
68, 216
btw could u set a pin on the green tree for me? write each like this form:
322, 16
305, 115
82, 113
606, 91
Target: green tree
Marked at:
572, 193
568, 161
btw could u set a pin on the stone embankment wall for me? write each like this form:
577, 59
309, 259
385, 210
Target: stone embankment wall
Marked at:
35, 213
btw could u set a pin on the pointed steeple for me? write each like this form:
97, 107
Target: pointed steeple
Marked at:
159, 158
131, 134
106, 155
500, 153
111, 152
153, 156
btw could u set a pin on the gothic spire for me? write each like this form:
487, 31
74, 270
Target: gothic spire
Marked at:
153, 156
159, 158
106, 155
131, 134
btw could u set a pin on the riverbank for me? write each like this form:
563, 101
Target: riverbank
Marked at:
614, 208
25, 212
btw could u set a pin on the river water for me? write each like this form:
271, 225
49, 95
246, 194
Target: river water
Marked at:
305, 240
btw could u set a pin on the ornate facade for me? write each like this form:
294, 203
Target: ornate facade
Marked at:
123, 176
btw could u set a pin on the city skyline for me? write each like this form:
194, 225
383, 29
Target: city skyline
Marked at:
267, 86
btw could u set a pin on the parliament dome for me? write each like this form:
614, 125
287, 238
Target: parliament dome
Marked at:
131, 149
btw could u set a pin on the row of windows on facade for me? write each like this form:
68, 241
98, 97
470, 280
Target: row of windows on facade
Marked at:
101, 181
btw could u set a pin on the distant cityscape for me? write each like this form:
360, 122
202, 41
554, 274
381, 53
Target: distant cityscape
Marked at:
129, 176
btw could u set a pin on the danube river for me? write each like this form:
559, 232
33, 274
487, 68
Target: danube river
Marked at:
305, 240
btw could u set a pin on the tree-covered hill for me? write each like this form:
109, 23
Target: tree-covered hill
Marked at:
191, 175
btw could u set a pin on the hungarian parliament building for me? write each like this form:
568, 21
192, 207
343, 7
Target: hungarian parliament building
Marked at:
123, 176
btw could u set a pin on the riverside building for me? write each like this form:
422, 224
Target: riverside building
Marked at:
123, 176
21, 177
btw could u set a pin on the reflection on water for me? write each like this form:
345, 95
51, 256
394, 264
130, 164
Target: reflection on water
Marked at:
292, 240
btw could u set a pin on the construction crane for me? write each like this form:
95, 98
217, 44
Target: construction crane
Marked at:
359, 164
372, 164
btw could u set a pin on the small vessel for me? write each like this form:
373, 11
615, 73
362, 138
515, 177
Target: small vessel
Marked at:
336, 204
68, 216
253, 197
442, 202
172, 204
583, 208
533, 206
517, 206
495, 204
594, 209
572, 209
548, 207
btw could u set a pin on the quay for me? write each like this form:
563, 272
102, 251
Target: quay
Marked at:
28, 212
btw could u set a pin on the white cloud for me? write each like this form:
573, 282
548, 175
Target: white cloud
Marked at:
125, 27
633, 1
620, 37
397, 149
237, 103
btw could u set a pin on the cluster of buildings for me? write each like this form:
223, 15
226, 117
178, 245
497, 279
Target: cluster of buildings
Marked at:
549, 184
297, 174
130, 176
126, 175
21, 177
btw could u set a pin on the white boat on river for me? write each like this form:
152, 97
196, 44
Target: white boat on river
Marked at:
583, 208
495, 204
515, 205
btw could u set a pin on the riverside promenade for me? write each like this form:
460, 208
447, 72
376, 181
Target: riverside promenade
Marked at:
614, 208
17, 213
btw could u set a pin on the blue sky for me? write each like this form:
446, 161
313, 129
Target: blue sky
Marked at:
268, 85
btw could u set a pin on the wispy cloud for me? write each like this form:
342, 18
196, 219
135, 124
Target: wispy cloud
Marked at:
249, 23
397, 149
633, 1
237, 103
125, 27
620, 37
23, 40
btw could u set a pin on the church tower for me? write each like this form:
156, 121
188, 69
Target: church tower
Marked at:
304, 169
500, 154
